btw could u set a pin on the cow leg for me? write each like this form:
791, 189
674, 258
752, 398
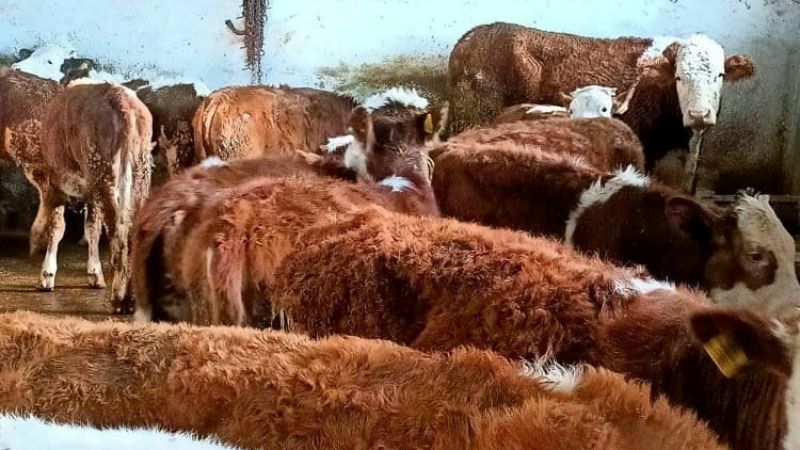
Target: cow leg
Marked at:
54, 233
93, 228
118, 223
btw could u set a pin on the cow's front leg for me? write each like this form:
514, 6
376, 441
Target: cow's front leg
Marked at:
53, 234
93, 228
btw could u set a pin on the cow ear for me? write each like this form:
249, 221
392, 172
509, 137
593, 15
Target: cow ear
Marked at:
361, 126
24, 53
434, 121
687, 218
735, 339
662, 68
739, 67
563, 99
622, 100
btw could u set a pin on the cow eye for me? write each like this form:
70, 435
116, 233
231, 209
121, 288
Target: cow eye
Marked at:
722, 75
678, 79
604, 109
49, 62
755, 257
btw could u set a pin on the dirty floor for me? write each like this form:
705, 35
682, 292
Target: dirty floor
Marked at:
72, 296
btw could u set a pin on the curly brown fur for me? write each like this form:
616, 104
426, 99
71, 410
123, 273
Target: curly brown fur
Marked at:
272, 390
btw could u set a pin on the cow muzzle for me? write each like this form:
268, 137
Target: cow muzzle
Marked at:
699, 118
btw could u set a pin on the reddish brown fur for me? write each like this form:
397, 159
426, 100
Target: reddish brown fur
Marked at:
516, 187
437, 284
252, 121
163, 223
272, 390
606, 144
500, 64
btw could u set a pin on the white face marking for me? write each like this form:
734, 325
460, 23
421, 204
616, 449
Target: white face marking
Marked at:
761, 229
45, 61
591, 102
553, 376
355, 159
599, 193
398, 184
699, 72
339, 142
401, 95
213, 161
637, 286
29, 433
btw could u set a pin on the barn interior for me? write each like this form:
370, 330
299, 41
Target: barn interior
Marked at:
360, 48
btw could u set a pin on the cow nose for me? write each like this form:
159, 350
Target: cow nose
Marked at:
699, 114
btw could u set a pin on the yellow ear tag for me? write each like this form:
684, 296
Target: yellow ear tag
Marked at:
429, 124
726, 354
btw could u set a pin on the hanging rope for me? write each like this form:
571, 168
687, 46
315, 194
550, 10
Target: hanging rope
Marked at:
254, 13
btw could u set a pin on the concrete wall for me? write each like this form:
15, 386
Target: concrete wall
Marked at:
332, 42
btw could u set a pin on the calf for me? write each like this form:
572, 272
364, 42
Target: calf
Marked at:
272, 390
605, 144
744, 256
676, 83
96, 147
588, 102
224, 285
437, 284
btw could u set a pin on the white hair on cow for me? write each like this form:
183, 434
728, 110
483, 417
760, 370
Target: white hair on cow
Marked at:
600, 192
545, 109
636, 286
592, 101
398, 184
200, 88
762, 231
31, 433
84, 82
355, 158
46, 60
213, 161
337, 143
553, 376
399, 95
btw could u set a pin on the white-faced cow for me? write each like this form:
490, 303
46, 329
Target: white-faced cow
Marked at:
676, 83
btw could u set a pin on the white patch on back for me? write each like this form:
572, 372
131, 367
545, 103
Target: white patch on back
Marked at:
600, 192
398, 184
213, 161
339, 142
84, 82
545, 109
30, 433
761, 228
637, 286
158, 82
401, 95
660, 43
553, 376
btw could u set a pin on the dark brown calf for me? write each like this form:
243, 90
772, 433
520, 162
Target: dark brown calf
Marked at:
437, 284
742, 256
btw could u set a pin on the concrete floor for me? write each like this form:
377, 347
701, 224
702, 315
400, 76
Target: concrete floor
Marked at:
19, 274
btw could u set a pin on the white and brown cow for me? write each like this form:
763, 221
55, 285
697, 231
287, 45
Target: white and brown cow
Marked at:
676, 82
89, 141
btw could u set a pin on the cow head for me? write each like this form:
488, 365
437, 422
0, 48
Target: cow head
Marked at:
697, 66
590, 102
390, 136
46, 61
754, 263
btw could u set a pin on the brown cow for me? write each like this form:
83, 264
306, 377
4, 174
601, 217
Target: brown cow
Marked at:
251, 121
436, 284
603, 143
676, 82
265, 390
388, 146
95, 147
744, 256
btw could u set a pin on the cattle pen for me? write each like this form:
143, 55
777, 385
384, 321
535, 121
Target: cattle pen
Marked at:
400, 225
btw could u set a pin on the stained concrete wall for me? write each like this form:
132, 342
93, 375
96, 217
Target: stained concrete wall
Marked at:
325, 43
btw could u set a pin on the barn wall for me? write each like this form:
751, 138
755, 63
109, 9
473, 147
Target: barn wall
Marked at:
358, 45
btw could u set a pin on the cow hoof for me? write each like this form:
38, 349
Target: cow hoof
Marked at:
122, 307
96, 281
47, 282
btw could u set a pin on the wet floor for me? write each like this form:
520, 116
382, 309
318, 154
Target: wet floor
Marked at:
19, 274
